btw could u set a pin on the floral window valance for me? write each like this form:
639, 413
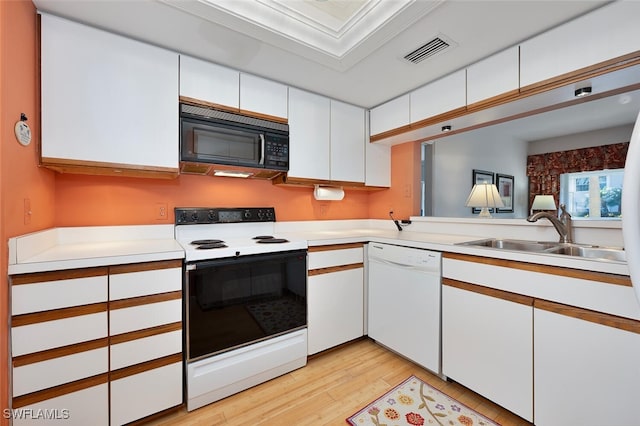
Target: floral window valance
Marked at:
544, 170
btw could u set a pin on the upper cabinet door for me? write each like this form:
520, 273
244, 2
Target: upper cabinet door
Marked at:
390, 115
604, 34
347, 142
106, 98
258, 95
443, 95
309, 119
209, 82
493, 76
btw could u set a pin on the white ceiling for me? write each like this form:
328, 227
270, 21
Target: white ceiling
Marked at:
351, 50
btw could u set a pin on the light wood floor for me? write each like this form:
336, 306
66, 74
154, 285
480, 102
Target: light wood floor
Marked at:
333, 386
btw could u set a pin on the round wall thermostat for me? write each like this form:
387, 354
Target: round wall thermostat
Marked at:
23, 133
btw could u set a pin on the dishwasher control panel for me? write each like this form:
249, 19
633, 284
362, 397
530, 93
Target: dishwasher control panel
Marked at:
406, 256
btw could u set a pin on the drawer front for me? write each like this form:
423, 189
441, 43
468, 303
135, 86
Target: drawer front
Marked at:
142, 283
583, 293
44, 296
53, 372
140, 395
145, 316
85, 407
53, 334
326, 259
145, 349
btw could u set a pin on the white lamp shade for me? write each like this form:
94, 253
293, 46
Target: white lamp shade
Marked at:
543, 202
485, 196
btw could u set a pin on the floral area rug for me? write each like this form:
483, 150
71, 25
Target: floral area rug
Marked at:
414, 402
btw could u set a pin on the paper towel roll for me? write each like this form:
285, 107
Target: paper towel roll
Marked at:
328, 193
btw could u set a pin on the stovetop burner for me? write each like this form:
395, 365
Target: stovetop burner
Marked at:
208, 241
263, 237
211, 246
272, 241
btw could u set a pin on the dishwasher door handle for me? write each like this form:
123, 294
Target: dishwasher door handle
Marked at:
401, 265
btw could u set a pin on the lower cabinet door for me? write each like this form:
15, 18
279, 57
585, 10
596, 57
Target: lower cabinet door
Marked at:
585, 373
336, 308
88, 406
487, 346
140, 395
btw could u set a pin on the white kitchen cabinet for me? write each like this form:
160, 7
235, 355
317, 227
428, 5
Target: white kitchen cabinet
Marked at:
487, 344
377, 168
335, 295
326, 137
348, 141
309, 135
109, 103
586, 372
210, 83
262, 96
104, 340
390, 115
145, 327
603, 34
496, 75
443, 95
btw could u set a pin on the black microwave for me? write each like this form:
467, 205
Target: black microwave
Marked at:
219, 137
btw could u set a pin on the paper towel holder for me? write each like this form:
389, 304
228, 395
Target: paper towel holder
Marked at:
328, 193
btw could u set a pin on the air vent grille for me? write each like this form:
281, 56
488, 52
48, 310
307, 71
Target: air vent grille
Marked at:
427, 50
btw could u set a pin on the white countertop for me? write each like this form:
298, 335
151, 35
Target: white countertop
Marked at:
82, 247
85, 247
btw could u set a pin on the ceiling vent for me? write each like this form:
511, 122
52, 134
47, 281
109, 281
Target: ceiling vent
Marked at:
427, 50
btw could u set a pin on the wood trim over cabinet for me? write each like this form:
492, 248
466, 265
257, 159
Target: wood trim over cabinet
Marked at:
56, 314
147, 332
56, 391
487, 291
146, 266
144, 366
602, 277
332, 269
259, 115
86, 167
591, 316
39, 277
284, 180
59, 352
145, 300
329, 247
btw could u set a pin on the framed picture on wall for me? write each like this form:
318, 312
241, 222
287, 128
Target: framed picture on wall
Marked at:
481, 176
505, 188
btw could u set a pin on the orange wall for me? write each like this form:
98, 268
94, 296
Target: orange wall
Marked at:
101, 200
20, 178
404, 195
58, 200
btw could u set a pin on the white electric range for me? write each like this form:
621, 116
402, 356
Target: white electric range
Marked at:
245, 300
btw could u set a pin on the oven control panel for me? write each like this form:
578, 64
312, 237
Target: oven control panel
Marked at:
204, 215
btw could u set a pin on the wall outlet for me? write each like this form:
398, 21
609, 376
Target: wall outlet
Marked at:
162, 212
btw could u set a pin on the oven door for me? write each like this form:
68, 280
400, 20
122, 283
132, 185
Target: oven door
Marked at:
236, 301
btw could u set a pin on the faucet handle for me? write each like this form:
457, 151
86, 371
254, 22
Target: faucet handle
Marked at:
565, 213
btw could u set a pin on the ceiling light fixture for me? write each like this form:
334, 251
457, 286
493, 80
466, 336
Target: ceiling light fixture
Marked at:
446, 128
583, 91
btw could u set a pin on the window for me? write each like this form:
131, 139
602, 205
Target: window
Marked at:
592, 195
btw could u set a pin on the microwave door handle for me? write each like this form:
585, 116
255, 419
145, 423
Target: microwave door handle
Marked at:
262, 144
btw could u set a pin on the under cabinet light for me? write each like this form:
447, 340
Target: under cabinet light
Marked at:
583, 91
232, 173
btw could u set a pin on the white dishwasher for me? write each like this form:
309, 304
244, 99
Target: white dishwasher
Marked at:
404, 302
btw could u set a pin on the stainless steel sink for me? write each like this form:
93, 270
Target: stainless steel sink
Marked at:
518, 245
567, 249
608, 253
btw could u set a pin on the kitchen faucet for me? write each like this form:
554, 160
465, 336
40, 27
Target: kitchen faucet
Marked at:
562, 225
